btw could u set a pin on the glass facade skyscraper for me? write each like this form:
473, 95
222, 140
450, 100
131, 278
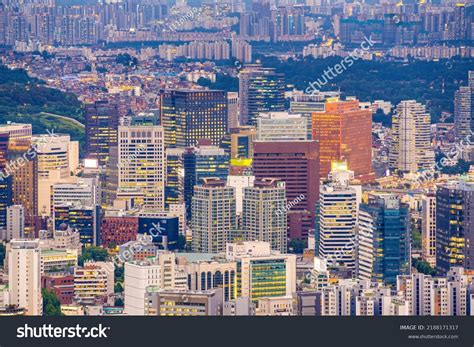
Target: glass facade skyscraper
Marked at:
191, 115
383, 239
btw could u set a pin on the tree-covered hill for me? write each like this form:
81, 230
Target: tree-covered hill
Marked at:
24, 99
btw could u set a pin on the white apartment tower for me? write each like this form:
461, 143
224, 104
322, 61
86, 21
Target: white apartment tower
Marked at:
213, 215
410, 150
24, 275
264, 214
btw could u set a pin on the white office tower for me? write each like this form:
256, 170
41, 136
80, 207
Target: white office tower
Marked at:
239, 182
142, 165
139, 277
83, 191
15, 222
410, 150
338, 207
282, 126
24, 275
264, 215
433, 296
428, 229
53, 155
149, 275
213, 215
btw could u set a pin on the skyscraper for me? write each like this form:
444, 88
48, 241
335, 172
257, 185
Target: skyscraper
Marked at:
213, 215
383, 239
102, 121
464, 115
15, 222
344, 133
454, 225
336, 229
428, 229
190, 115
24, 275
410, 150
281, 126
174, 190
142, 165
297, 164
264, 215
201, 162
5, 181
86, 219
260, 90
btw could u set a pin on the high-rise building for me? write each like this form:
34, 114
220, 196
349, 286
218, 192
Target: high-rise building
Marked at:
239, 182
174, 190
213, 215
142, 165
84, 191
297, 164
264, 215
454, 225
15, 222
428, 229
102, 121
260, 90
138, 277
410, 150
344, 133
24, 275
282, 126
232, 110
191, 115
383, 239
464, 115
239, 145
336, 228
53, 155
5, 199
201, 162
260, 271
85, 219
5, 181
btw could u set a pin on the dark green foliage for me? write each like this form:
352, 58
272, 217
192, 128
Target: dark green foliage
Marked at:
297, 246
93, 253
380, 117
22, 99
126, 60
51, 304
422, 266
391, 81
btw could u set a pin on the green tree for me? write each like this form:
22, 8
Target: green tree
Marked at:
93, 253
297, 246
118, 288
423, 267
51, 304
